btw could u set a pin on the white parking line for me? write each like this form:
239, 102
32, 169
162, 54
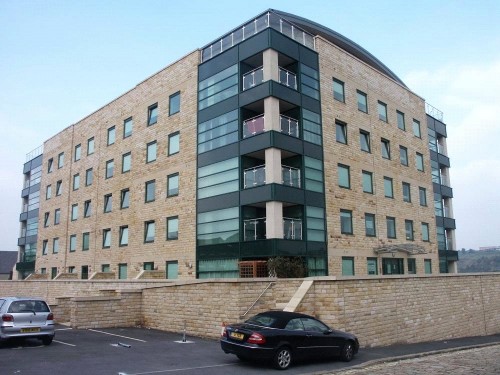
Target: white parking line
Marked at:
112, 334
177, 369
64, 343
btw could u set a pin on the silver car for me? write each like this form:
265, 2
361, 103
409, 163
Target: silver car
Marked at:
26, 317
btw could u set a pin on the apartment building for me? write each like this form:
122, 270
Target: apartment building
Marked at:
280, 138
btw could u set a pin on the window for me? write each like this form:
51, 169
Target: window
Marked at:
367, 182
218, 87
60, 160
151, 152
422, 195
428, 266
149, 231
124, 235
89, 177
341, 132
84, 272
110, 168
174, 103
173, 185
416, 129
106, 238
309, 81
311, 122
126, 162
85, 241
108, 202
46, 218
344, 177
53, 272
124, 198
74, 212
150, 191
172, 228
90, 146
128, 124
315, 223
409, 230
382, 111
105, 268
346, 222
347, 266
403, 155
419, 161
364, 140
57, 216
78, 152
87, 208
338, 90
412, 266
388, 190
72, 243
313, 174
111, 136
218, 132
48, 192
152, 114
401, 120
218, 178
371, 266
173, 143
391, 227
44, 247
362, 102
50, 165
71, 269
386, 148
148, 266
406, 192
55, 245
220, 226
122, 271
172, 270
370, 229
425, 232
76, 181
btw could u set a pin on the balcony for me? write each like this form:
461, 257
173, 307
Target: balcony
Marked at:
289, 126
253, 126
255, 176
292, 229
255, 229
290, 176
287, 78
253, 78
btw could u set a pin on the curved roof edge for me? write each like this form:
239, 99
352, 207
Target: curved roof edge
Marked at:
341, 41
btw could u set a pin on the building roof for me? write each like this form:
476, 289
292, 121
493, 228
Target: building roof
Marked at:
341, 41
7, 261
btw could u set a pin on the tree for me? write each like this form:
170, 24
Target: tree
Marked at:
287, 267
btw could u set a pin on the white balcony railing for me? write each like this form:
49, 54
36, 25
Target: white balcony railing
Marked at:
292, 229
255, 176
253, 78
287, 78
253, 126
254, 229
289, 126
290, 176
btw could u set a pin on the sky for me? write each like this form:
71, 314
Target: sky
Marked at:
62, 60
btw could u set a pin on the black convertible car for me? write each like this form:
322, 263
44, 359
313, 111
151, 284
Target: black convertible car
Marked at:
283, 337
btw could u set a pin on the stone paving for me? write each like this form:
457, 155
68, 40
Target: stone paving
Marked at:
476, 361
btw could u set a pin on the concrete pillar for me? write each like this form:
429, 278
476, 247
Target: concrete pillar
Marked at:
273, 166
270, 65
272, 114
274, 220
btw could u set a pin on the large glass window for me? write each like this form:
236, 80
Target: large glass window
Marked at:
401, 120
313, 171
311, 122
309, 81
388, 190
382, 111
341, 132
218, 132
367, 182
218, 178
149, 231
220, 226
150, 191
362, 101
338, 90
344, 177
218, 268
173, 143
391, 227
151, 152
173, 185
174, 103
128, 124
370, 228
218, 87
346, 222
172, 228
315, 223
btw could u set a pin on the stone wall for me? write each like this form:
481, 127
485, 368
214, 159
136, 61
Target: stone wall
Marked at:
380, 310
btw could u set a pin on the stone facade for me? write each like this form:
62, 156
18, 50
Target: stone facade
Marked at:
380, 310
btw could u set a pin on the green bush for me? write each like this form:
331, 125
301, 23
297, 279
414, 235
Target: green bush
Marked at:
287, 267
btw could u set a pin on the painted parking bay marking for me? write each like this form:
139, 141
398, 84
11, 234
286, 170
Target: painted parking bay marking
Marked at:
113, 334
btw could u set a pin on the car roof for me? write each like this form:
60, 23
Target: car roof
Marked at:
285, 315
22, 298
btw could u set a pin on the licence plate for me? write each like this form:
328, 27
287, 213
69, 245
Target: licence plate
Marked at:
26, 330
236, 335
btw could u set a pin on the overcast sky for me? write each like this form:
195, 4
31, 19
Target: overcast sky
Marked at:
62, 60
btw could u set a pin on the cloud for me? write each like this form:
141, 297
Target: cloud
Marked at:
469, 97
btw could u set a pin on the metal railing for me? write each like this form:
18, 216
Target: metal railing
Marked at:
287, 78
33, 154
254, 229
253, 78
292, 229
289, 126
253, 126
290, 176
255, 176
434, 112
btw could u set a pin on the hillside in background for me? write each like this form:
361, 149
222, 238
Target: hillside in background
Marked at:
478, 261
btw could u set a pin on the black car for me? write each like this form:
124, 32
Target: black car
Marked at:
283, 337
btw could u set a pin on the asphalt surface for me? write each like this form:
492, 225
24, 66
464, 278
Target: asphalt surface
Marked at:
139, 351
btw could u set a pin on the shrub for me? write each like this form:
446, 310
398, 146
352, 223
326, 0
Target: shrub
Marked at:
287, 267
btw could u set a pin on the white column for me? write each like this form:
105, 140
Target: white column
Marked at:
270, 65
273, 166
272, 114
274, 220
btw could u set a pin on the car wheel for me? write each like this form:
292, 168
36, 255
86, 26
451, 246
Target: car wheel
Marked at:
47, 340
283, 358
347, 352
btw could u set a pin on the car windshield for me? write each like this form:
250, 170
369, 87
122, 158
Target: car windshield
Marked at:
262, 320
28, 306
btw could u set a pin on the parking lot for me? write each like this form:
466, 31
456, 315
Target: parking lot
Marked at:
133, 351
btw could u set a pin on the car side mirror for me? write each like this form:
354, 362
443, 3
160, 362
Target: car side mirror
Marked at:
328, 331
